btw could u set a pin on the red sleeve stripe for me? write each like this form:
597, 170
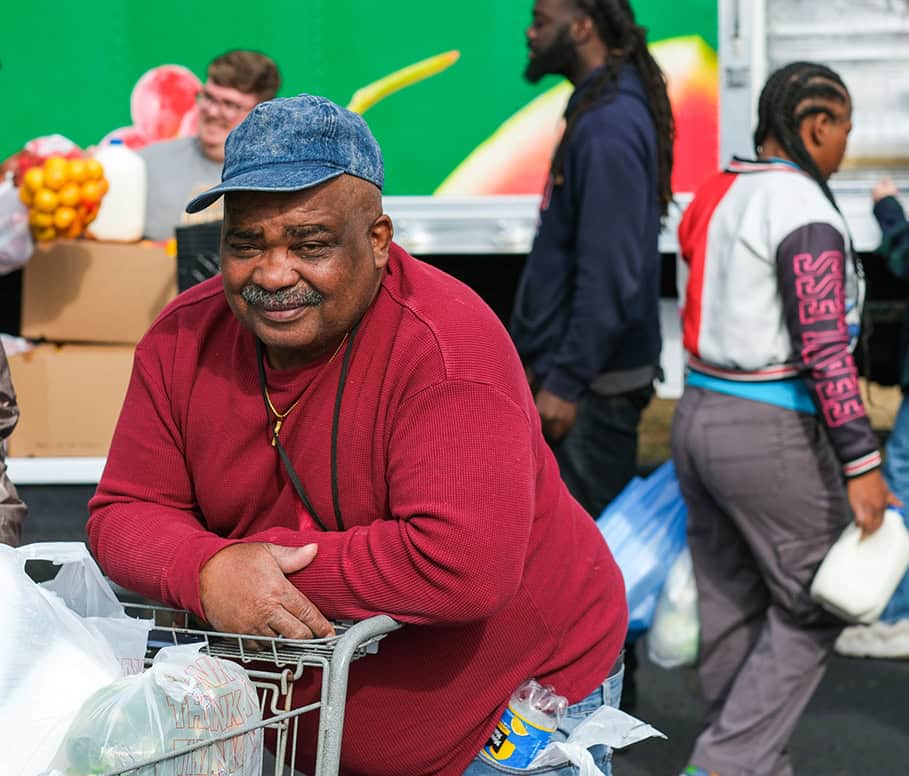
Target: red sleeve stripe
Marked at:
780, 372
862, 465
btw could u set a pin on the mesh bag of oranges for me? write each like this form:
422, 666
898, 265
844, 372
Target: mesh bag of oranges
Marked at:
62, 196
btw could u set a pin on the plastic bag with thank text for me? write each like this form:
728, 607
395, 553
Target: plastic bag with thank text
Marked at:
185, 698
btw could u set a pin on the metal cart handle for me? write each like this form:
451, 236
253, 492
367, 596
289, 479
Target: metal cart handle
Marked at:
331, 717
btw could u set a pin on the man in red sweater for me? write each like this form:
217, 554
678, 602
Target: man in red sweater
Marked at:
424, 489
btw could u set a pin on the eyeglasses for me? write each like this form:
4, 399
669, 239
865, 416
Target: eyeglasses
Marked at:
228, 107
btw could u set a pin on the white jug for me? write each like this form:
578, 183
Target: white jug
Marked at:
859, 575
121, 217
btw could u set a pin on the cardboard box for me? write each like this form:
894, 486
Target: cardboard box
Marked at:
69, 399
88, 291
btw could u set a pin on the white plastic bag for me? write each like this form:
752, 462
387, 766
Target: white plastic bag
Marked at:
59, 642
673, 638
606, 725
16, 244
184, 698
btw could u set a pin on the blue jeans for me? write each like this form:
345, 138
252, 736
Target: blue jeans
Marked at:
607, 694
896, 470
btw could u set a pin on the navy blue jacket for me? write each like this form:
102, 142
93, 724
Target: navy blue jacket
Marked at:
588, 299
895, 248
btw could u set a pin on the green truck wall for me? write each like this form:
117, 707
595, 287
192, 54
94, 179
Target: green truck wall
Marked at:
69, 68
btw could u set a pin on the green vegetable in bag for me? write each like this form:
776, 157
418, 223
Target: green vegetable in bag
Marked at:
184, 698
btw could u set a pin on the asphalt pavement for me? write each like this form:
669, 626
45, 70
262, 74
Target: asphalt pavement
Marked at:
856, 725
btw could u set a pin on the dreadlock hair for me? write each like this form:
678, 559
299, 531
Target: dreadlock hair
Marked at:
792, 94
625, 42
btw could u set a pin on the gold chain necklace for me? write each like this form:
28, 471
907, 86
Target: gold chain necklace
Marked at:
280, 416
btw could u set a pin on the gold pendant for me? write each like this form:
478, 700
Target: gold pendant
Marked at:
274, 439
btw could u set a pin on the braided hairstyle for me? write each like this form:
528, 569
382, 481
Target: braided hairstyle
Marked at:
625, 42
792, 94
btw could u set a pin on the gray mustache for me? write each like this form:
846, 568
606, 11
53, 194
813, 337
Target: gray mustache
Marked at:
283, 298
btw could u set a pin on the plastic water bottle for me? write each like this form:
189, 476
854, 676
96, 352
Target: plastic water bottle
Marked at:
121, 217
533, 714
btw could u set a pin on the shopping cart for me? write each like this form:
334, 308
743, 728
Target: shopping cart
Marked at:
274, 665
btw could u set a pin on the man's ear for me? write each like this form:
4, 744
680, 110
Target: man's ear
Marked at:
380, 236
582, 28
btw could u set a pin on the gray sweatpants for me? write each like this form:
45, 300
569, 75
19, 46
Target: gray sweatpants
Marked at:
765, 502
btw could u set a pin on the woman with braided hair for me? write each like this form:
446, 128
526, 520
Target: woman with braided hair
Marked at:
772, 445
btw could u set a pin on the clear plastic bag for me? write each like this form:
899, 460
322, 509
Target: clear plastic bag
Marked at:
184, 698
645, 530
59, 642
16, 244
672, 641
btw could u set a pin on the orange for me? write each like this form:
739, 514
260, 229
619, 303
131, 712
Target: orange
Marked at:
55, 163
89, 213
43, 235
70, 194
77, 170
75, 229
55, 177
94, 169
64, 217
91, 192
46, 200
104, 186
40, 220
33, 179
26, 197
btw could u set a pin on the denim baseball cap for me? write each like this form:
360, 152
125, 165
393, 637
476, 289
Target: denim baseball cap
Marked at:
295, 143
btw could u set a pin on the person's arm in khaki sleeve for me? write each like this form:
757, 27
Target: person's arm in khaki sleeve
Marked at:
12, 509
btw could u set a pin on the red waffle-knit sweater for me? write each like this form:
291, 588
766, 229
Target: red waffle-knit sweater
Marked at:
456, 521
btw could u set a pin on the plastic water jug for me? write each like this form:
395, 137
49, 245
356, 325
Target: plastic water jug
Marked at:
859, 575
121, 217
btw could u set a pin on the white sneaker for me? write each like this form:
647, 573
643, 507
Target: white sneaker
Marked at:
881, 639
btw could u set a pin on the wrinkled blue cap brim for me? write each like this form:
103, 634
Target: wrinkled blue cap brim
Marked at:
294, 177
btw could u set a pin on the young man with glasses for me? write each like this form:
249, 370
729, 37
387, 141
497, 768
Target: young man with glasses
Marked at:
180, 169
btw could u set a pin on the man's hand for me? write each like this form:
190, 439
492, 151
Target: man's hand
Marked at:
244, 589
558, 415
869, 496
884, 188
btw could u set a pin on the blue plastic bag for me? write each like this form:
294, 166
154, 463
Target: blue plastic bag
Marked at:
645, 529
898, 607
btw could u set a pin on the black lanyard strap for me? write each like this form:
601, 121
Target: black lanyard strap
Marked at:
335, 422
285, 458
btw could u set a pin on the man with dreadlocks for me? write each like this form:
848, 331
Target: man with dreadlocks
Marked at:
586, 314
771, 422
